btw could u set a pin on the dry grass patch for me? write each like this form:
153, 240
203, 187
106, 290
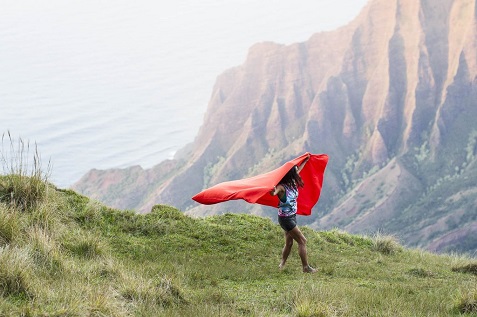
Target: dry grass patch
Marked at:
386, 244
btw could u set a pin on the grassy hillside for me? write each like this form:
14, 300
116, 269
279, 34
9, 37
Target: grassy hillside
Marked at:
62, 254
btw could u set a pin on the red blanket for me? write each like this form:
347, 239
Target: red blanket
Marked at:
256, 189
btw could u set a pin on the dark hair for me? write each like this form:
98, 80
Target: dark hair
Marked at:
292, 178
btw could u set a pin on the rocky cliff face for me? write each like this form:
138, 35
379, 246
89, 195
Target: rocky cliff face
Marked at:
391, 98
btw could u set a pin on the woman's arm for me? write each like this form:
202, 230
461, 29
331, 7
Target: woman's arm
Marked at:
303, 164
277, 190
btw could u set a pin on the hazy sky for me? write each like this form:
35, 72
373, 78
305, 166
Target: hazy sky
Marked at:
130, 80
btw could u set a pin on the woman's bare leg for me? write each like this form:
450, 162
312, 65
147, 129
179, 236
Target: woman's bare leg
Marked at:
298, 236
286, 249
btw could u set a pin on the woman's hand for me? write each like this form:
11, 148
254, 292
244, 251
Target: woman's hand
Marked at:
299, 168
307, 158
273, 191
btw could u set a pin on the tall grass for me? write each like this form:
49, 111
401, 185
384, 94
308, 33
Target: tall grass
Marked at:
24, 179
15, 272
46, 252
386, 244
9, 225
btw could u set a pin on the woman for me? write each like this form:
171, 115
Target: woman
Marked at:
287, 191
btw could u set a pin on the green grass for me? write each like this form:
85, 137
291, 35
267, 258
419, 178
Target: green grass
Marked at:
69, 256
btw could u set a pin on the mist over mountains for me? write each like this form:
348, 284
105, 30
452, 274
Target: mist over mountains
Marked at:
390, 97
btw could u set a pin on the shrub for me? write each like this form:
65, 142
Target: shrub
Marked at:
24, 184
386, 244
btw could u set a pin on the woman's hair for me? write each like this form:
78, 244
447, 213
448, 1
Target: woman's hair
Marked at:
292, 178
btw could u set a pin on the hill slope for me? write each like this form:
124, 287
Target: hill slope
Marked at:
66, 255
391, 97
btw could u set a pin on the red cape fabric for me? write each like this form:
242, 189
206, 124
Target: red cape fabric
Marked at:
257, 189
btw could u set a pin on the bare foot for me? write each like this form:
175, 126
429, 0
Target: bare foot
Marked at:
309, 269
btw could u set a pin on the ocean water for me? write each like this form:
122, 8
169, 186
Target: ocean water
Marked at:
112, 84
